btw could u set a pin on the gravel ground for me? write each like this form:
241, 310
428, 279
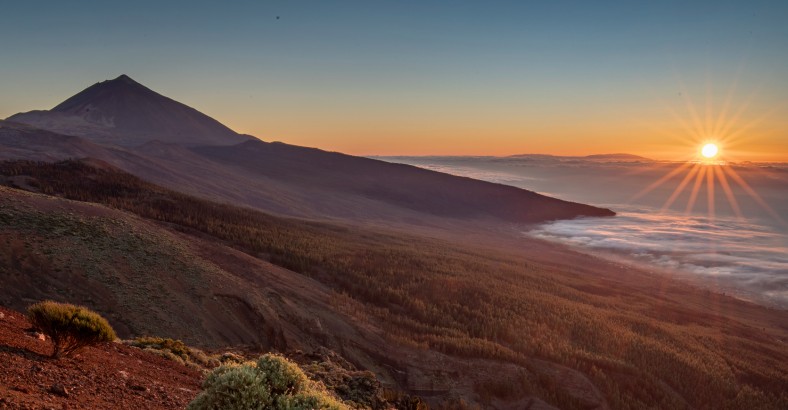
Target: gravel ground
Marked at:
111, 376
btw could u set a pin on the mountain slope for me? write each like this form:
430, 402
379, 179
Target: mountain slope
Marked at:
22, 141
439, 318
124, 112
149, 135
151, 279
304, 182
325, 174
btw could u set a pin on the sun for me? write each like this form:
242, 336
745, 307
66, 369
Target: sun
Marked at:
709, 150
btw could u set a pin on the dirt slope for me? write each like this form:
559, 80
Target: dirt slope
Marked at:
111, 376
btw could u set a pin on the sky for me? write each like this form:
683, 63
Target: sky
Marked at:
657, 79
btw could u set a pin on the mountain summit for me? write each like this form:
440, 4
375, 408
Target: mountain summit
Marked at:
125, 112
125, 124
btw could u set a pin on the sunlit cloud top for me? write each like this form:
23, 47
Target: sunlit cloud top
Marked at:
429, 77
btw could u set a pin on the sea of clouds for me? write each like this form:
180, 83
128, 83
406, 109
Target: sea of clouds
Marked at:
725, 254
744, 254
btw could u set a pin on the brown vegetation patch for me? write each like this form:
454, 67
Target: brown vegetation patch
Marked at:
647, 341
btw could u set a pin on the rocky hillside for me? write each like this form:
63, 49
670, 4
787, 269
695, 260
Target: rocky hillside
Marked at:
154, 373
110, 376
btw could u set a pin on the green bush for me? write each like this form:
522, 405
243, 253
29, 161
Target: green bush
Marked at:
69, 326
273, 382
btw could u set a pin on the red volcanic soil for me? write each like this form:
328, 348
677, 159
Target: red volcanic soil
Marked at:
109, 376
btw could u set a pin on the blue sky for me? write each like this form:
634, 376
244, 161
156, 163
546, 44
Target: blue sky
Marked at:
400, 77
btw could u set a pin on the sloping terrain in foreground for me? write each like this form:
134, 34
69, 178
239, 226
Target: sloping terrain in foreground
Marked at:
111, 376
148, 279
153, 373
440, 319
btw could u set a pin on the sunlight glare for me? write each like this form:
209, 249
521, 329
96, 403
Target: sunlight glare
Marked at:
709, 150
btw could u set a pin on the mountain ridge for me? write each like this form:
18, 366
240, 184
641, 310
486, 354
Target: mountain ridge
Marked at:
404, 185
618, 156
124, 112
130, 126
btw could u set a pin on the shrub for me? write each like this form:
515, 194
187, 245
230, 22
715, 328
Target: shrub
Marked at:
69, 326
175, 350
230, 357
273, 382
359, 389
176, 347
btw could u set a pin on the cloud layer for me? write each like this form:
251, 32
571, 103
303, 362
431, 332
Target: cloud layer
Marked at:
725, 253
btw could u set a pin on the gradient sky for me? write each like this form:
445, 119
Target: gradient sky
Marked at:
429, 77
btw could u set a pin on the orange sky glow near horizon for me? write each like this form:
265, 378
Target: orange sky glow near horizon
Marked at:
746, 127
667, 121
658, 79
740, 135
